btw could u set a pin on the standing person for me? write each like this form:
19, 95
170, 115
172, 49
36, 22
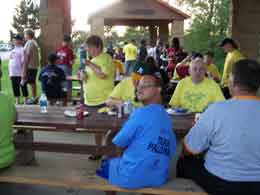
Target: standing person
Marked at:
52, 77
227, 135
65, 62
98, 78
146, 140
212, 70
31, 63
142, 53
16, 64
233, 55
7, 118
130, 51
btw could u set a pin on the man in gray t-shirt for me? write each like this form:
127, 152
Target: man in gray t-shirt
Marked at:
227, 135
31, 62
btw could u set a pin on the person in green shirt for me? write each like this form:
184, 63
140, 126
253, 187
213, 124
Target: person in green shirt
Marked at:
0, 73
98, 78
7, 117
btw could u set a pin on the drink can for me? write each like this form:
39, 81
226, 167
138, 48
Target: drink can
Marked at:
80, 111
120, 111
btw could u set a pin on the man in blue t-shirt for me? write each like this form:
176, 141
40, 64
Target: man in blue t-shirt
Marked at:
147, 140
228, 133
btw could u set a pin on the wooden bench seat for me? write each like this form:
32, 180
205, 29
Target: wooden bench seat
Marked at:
69, 174
37, 176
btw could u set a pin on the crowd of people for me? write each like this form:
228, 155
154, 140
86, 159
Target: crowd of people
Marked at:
221, 151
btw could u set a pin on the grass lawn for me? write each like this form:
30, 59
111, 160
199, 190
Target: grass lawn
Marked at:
6, 82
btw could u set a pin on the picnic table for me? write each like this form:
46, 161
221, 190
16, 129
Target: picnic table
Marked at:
30, 119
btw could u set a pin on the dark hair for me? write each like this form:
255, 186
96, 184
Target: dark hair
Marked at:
210, 53
95, 41
151, 62
66, 38
143, 42
195, 55
52, 58
30, 33
176, 43
246, 73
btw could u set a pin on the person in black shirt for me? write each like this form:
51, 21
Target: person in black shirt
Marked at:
52, 77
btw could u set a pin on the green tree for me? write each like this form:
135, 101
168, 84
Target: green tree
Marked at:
26, 16
209, 26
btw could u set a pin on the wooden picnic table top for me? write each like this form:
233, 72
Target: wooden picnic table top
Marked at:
29, 115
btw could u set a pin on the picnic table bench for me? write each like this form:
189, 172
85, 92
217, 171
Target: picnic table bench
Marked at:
73, 173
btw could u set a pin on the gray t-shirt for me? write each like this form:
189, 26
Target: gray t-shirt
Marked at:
31, 49
229, 132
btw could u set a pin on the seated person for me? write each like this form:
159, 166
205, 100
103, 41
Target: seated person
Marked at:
52, 77
147, 140
196, 92
182, 69
7, 117
212, 70
126, 89
228, 136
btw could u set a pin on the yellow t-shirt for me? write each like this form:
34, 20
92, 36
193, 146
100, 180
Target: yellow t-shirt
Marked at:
98, 90
231, 59
213, 70
125, 91
196, 97
130, 51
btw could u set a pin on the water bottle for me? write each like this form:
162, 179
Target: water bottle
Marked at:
43, 103
127, 107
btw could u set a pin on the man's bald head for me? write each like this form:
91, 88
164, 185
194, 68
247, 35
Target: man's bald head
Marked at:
197, 70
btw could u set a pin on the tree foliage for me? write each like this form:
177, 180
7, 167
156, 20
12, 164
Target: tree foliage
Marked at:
136, 33
26, 16
210, 24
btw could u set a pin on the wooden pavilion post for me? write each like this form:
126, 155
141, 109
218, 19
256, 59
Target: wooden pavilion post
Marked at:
153, 34
164, 32
246, 27
55, 21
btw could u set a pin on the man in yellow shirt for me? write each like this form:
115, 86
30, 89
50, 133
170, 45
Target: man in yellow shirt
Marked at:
98, 77
233, 55
130, 51
212, 70
196, 92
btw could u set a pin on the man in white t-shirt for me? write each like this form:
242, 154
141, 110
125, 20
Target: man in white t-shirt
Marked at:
31, 62
15, 69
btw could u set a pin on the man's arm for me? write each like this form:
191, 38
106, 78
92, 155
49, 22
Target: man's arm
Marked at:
199, 137
96, 69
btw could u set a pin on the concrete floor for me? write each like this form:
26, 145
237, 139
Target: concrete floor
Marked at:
13, 189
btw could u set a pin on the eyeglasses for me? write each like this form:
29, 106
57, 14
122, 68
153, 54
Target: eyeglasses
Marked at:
141, 87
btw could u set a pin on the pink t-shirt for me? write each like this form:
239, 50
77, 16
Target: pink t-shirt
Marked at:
16, 61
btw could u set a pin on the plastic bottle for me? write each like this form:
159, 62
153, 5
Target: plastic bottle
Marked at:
43, 104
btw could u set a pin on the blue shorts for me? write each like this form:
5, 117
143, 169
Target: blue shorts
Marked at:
104, 169
66, 85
